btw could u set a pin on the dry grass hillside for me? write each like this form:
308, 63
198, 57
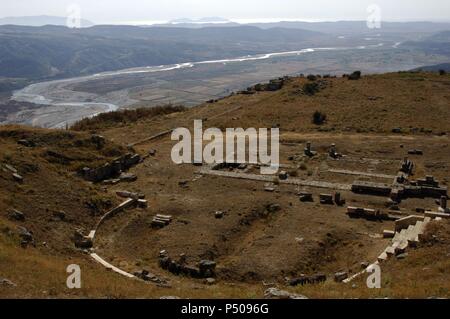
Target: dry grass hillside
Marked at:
253, 249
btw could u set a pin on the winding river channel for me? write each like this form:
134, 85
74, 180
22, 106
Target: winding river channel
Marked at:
62, 106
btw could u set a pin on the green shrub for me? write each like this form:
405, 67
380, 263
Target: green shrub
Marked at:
310, 88
319, 118
355, 75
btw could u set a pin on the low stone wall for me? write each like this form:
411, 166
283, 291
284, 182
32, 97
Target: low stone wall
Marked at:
110, 170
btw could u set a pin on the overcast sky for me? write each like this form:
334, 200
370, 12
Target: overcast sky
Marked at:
123, 11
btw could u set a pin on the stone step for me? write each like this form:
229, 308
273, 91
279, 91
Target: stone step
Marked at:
399, 236
401, 248
405, 238
390, 251
411, 232
382, 257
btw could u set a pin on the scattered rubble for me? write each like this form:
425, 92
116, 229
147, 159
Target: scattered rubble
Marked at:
60, 215
219, 214
340, 276
326, 199
160, 221
18, 178
127, 177
142, 203
275, 293
183, 184
126, 194
273, 208
415, 152
367, 213
283, 175
26, 237
147, 276
306, 197
111, 170
9, 168
269, 187
17, 215
81, 241
303, 280
7, 283
204, 269
402, 256
210, 281
26, 143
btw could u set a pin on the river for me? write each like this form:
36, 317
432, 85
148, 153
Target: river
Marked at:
62, 106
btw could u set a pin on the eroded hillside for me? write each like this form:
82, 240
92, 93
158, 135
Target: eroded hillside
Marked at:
257, 230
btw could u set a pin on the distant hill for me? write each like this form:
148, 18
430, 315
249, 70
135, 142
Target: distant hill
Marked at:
335, 27
201, 20
435, 68
55, 51
38, 21
443, 36
349, 27
438, 43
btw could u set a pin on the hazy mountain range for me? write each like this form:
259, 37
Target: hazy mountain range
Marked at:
55, 51
39, 52
38, 21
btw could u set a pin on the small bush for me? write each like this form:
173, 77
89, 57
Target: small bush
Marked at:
109, 119
311, 77
319, 118
355, 75
442, 72
311, 88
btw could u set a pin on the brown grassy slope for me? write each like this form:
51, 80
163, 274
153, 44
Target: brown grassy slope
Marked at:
115, 119
49, 182
416, 100
373, 104
423, 274
50, 185
376, 103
